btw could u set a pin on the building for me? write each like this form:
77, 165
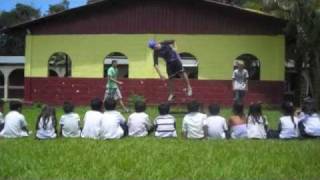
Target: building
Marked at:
67, 53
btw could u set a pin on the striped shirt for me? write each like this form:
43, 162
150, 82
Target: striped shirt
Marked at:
165, 126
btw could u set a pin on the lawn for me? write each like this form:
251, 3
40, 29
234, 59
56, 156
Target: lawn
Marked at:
152, 158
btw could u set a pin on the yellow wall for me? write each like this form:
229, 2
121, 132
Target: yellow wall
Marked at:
214, 52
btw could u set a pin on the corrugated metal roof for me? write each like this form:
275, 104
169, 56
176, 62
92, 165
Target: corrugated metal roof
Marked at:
97, 4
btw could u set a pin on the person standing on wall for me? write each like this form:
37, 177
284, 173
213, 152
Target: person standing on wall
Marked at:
166, 51
112, 87
240, 82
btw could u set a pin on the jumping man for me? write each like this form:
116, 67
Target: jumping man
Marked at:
174, 66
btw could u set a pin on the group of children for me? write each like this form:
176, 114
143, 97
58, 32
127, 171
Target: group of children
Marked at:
111, 124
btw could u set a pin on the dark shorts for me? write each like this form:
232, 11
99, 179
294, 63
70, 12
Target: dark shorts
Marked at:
174, 68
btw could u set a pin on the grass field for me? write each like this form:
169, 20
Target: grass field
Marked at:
152, 158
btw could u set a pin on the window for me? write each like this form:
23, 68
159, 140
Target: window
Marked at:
16, 84
190, 64
123, 66
59, 65
252, 64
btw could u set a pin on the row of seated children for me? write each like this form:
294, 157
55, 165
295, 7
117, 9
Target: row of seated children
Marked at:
111, 124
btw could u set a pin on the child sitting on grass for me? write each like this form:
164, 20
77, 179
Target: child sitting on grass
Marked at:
69, 122
138, 122
194, 124
217, 125
238, 122
288, 125
113, 125
46, 125
15, 124
1, 115
309, 121
257, 123
92, 120
165, 124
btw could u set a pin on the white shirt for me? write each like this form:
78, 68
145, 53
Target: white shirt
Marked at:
110, 125
217, 126
240, 79
165, 126
287, 128
257, 129
13, 124
138, 124
193, 124
46, 132
70, 124
92, 124
311, 124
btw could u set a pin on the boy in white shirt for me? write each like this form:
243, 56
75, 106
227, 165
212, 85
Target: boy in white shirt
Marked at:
165, 124
15, 124
217, 125
194, 124
240, 82
92, 120
1, 115
138, 122
113, 124
69, 122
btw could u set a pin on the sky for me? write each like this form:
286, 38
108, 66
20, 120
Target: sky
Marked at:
43, 5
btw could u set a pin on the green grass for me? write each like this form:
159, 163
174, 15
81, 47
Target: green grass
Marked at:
152, 158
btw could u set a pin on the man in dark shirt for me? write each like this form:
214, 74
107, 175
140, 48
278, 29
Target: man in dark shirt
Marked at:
174, 66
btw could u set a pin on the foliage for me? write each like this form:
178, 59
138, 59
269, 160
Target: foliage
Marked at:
14, 43
62, 6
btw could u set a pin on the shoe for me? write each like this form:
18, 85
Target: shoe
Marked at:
189, 92
171, 97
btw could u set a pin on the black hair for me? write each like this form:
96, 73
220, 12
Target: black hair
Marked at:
47, 112
164, 109
96, 104
140, 106
68, 107
238, 109
193, 106
214, 109
15, 105
110, 104
255, 112
309, 107
114, 61
288, 110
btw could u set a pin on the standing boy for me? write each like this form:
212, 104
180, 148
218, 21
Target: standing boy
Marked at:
240, 82
112, 88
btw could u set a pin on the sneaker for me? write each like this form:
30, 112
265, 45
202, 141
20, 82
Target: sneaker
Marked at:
189, 92
171, 97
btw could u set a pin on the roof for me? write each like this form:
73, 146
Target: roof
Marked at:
96, 4
12, 59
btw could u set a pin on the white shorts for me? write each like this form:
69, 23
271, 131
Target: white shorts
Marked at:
112, 93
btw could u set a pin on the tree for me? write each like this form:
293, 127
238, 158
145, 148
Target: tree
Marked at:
303, 31
13, 44
55, 8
